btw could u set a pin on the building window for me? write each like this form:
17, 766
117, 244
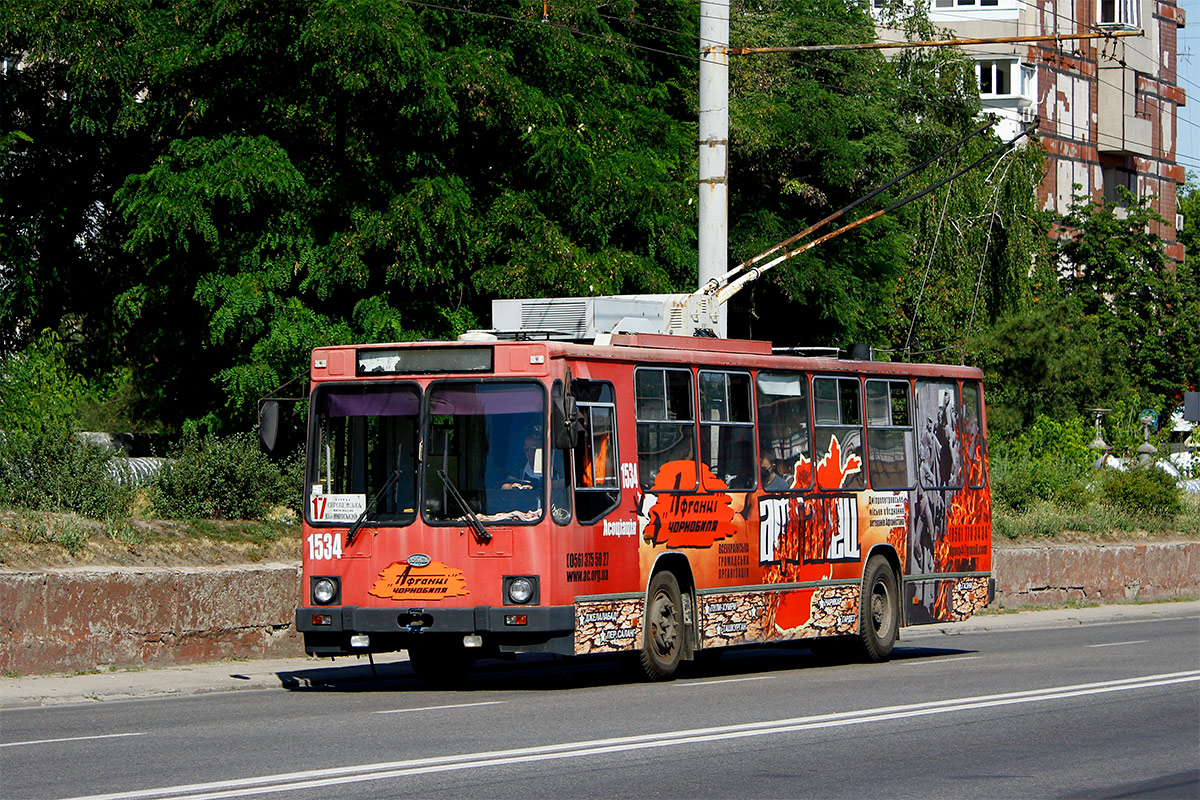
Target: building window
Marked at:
1028, 81
1116, 177
947, 5
1119, 13
995, 77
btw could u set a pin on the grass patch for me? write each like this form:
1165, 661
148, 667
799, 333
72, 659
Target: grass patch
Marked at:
47, 539
256, 533
1045, 519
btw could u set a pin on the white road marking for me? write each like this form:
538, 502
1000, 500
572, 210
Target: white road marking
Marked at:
926, 661
1116, 644
338, 776
440, 708
72, 739
724, 680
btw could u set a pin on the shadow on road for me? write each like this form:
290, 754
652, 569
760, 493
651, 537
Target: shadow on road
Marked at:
555, 673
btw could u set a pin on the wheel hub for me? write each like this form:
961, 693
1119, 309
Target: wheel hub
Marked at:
664, 625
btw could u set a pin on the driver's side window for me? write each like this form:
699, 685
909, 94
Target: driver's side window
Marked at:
597, 484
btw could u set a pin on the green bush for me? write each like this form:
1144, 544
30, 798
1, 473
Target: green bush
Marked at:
218, 478
1050, 461
1142, 490
51, 470
1018, 483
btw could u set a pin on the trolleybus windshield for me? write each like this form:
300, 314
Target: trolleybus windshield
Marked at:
363, 436
488, 439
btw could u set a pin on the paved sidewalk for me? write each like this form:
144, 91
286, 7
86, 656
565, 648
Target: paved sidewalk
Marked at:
289, 673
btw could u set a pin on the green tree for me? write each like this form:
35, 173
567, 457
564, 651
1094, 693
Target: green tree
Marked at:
813, 131
1051, 360
202, 191
38, 391
1120, 275
1188, 273
210, 189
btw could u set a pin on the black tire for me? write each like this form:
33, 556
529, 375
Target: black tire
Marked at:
879, 611
441, 666
662, 628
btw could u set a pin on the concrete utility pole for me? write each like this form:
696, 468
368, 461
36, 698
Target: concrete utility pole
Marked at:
713, 234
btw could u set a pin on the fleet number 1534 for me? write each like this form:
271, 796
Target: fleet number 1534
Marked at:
324, 546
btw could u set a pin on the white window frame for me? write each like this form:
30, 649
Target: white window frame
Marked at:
1121, 14
1020, 78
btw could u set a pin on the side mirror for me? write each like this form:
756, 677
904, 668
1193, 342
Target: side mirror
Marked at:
269, 426
562, 419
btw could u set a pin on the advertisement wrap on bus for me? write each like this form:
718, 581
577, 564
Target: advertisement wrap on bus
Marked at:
663, 495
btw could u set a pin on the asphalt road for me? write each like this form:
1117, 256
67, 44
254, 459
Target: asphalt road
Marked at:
1043, 706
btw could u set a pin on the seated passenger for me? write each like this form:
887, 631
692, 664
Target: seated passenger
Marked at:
530, 475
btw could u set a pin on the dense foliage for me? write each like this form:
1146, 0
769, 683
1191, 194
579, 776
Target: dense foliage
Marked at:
1111, 323
206, 190
198, 192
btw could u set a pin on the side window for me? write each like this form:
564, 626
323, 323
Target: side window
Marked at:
560, 480
666, 428
727, 428
785, 450
890, 435
939, 455
974, 443
839, 433
597, 485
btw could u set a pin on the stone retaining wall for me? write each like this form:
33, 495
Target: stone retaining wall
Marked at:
1097, 573
86, 618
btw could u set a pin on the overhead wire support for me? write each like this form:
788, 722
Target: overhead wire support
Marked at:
822, 48
715, 284
723, 287
732, 288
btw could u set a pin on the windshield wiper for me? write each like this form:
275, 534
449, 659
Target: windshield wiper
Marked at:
352, 534
481, 533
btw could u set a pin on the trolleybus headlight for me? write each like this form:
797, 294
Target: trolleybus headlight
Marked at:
324, 591
521, 590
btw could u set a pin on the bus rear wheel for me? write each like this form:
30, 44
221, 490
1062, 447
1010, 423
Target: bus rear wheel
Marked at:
441, 666
879, 611
662, 629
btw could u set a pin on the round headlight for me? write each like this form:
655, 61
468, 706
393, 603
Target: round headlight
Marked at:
324, 590
520, 590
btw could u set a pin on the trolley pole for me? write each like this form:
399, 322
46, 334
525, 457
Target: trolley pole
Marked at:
713, 232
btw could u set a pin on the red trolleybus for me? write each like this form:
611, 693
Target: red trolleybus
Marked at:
648, 493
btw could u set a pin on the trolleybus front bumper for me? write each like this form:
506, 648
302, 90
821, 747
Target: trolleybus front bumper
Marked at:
345, 630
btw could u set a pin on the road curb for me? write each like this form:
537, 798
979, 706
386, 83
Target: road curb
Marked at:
298, 674
88, 618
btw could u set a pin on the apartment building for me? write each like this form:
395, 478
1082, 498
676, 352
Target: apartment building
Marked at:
1107, 108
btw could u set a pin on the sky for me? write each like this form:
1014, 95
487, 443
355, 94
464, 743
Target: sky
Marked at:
1187, 148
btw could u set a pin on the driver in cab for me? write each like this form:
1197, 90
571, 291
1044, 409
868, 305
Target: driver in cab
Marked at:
530, 475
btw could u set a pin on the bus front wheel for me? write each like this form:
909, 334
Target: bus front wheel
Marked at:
879, 611
662, 629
